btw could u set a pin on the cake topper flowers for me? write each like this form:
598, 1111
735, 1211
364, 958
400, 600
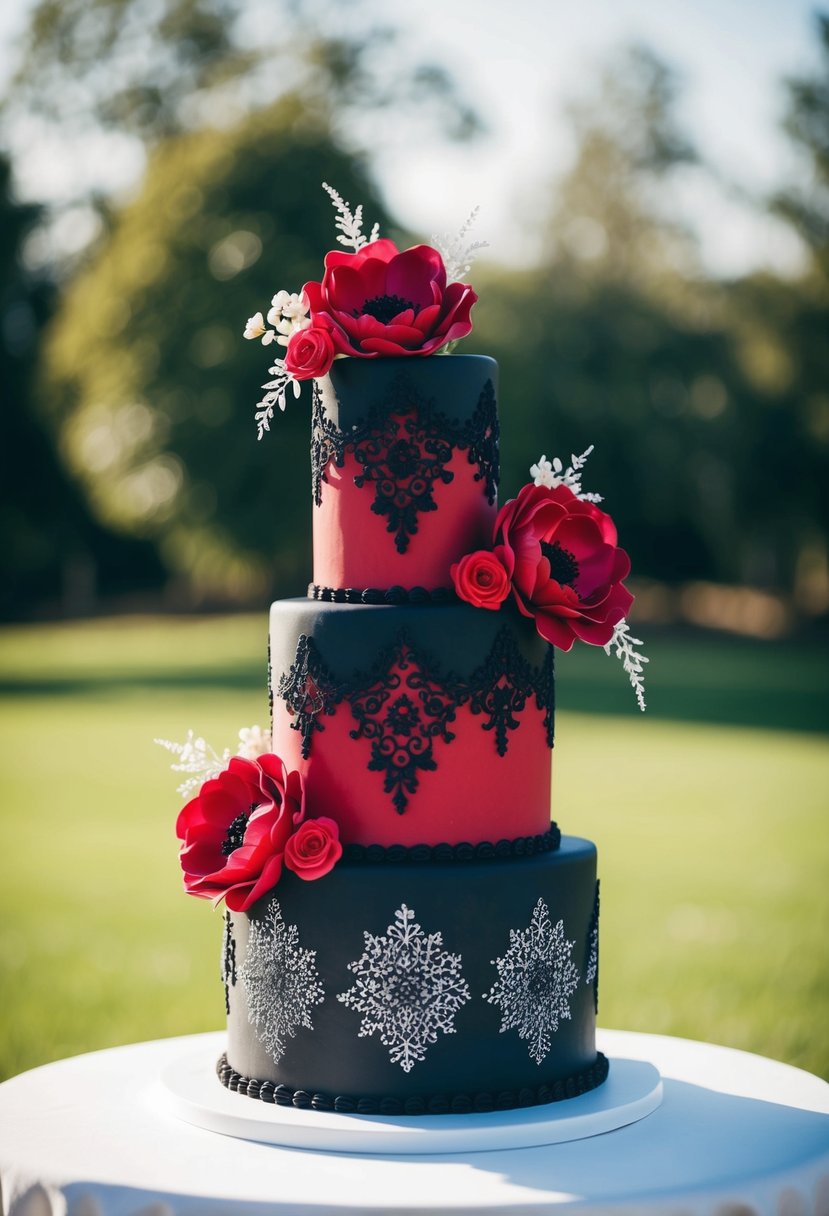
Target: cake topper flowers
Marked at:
375, 300
555, 553
246, 822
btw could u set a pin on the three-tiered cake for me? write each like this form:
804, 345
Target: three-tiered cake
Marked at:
449, 961
407, 932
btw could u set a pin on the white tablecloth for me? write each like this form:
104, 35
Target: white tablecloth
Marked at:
735, 1135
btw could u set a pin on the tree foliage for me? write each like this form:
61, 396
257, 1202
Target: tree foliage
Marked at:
807, 122
53, 552
152, 69
145, 369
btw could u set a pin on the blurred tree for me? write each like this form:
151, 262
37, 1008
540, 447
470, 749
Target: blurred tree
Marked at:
610, 217
97, 73
793, 319
145, 371
690, 389
238, 111
47, 535
807, 123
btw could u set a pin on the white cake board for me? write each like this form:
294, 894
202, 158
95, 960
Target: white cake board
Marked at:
189, 1089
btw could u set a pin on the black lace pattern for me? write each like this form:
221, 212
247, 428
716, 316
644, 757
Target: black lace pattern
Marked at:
406, 702
403, 447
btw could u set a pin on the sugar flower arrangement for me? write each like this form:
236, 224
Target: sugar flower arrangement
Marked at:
375, 300
247, 822
555, 553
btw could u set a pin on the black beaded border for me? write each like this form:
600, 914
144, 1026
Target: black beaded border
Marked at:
485, 850
379, 595
434, 1104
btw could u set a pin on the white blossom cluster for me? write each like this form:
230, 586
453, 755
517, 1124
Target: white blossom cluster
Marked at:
552, 473
287, 314
201, 762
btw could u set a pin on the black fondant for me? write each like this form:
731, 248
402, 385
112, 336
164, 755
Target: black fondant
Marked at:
474, 909
403, 426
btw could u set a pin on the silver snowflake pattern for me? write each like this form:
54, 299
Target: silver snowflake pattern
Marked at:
281, 981
536, 978
408, 989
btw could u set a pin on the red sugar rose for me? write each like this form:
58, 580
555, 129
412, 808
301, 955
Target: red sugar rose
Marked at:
314, 848
235, 830
566, 570
480, 579
380, 301
310, 353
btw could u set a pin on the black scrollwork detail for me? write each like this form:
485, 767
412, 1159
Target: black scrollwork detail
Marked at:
308, 691
405, 703
401, 713
403, 447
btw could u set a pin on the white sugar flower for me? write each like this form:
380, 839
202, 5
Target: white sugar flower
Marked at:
255, 327
287, 306
268, 337
542, 473
288, 328
296, 306
253, 742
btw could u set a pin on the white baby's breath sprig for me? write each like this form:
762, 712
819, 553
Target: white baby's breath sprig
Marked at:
350, 223
457, 256
632, 661
196, 757
274, 396
552, 473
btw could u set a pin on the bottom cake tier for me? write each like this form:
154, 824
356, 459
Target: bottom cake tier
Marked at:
405, 985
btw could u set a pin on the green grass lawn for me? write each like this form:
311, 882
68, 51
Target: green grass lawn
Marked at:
710, 814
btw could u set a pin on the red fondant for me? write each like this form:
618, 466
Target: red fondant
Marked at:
473, 794
353, 548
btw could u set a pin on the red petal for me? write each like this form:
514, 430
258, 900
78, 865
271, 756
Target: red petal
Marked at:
380, 346
411, 274
555, 631
427, 318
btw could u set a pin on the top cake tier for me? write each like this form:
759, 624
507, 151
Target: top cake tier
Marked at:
404, 458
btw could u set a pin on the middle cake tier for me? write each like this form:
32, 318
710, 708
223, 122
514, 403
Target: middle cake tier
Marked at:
415, 725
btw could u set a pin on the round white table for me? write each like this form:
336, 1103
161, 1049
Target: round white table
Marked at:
735, 1135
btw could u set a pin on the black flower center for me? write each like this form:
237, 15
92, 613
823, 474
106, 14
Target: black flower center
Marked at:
563, 565
384, 308
235, 834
